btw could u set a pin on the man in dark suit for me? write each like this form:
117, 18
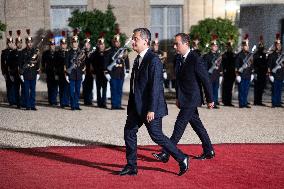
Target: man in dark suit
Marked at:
191, 74
146, 104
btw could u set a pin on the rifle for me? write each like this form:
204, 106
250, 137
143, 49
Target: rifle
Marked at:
248, 60
118, 54
216, 63
77, 60
279, 63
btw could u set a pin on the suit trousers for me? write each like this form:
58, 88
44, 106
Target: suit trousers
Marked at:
190, 115
133, 123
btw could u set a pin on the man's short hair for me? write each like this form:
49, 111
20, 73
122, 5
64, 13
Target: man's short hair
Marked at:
184, 37
144, 33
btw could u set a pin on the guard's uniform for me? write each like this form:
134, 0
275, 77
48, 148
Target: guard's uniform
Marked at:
52, 77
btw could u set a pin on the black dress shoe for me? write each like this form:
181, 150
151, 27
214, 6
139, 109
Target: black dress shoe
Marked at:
34, 109
163, 157
78, 108
247, 106
127, 170
27, 108
216, 107
204, 156
183, 166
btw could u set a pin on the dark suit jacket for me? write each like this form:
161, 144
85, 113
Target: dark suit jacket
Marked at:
191, 76
148, 92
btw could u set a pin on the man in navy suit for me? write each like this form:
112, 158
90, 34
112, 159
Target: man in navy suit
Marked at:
191, 76
146, 104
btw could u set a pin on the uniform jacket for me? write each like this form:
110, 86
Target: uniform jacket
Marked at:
5, 59
246, 74
49, 64
272, 58
209, 59
121, 67
30, 65
77, 72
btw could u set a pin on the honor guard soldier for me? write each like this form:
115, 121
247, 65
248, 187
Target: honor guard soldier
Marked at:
5, 58
50, 68
89, 79
61, 54
243, 69
13, 67
213, 62
75, 70
195, 44
99, 65
161, 54
260, 70
228, 66
118, 70
276, 72
30, 72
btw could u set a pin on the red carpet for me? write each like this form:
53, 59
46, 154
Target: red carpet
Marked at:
235, 166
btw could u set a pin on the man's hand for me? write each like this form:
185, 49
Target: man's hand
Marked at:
238, 78
210, 105
107, 77
67, 79
177, 104
150, 116
83, 78
22, 78
12, 78
37, 77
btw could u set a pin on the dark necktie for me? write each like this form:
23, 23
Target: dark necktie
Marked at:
135, 69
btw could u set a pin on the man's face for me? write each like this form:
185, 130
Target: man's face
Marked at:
64, 45
278, 46
19, 45
101, 46
52, 47
116, 43
11, 45
87, 45
29, 44
246, 48
138, 44
180, 47
156, 46
214, 48
75, 45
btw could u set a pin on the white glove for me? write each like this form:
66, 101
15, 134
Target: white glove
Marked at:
67, 79
83, 77
251, 77
271, 78
220, 80
165, 76
12, 78
238, 78
126, 75
56, 77
22, 78
37, 77
107, 77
